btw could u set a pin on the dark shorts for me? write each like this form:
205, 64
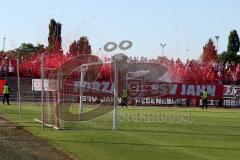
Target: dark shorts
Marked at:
124, 100
205, 101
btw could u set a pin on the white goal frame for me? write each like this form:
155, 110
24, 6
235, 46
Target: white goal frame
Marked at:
115, 84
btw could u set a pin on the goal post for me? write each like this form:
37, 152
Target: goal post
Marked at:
83, 69
83, 93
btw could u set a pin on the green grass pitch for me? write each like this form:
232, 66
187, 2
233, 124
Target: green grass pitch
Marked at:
212, 134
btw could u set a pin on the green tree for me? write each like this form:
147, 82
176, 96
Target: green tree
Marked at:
233, 42
79, 47
40, 47
54, 37
209, 52
25, 50
227, 56
73, 48
232, 48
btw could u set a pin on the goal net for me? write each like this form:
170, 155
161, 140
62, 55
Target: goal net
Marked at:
82, 94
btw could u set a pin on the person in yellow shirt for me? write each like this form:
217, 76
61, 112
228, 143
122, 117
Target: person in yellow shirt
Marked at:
205, 99
6, 92
124, 98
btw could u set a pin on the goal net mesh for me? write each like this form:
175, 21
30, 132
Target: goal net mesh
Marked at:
62, 107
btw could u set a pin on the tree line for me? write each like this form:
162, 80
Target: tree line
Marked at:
231, 54
77, 47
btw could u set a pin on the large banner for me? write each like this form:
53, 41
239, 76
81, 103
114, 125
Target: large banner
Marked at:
94, 87
174, 101
49, 85
231, 91
231, 96
2, 83
138, 89
160, 101
231, 102
173, 90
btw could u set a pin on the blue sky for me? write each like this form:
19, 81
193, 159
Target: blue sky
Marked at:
185, 25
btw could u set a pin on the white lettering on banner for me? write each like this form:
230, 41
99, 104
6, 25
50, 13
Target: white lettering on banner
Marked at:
89, 98
96, 86
200, 89
231, 102
148, 101
108, 100
169, 101
211, 90
84, 98
163, 89
183, 90
227, 102
94, 99
138, 101
103, 99
153, 101
160, 101
164, 101
155, 89
231, 91
49, 85
212, 102
111, 89
104, 87
87, 85
173, 89
190, 90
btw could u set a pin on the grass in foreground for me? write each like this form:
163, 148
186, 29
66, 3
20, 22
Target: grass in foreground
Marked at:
213, 134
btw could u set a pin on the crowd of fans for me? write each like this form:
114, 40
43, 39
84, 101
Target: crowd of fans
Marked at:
197, 72
7, 66
193, 71
28, 67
